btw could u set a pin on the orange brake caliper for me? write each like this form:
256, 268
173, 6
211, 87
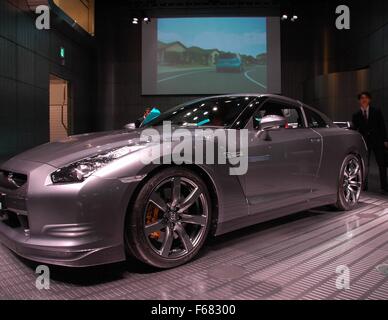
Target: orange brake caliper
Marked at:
152, 217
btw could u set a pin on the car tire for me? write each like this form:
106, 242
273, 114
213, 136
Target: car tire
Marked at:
349, 183
184, 230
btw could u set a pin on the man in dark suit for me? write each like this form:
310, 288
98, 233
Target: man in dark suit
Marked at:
369, 121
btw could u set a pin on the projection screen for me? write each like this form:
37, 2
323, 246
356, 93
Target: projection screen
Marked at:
199, 56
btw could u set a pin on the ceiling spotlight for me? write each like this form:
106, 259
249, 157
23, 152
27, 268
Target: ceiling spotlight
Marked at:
284, 17
294, 18
147, 20
135, 20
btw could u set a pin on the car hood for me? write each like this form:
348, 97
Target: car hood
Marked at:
78, 147
75, 148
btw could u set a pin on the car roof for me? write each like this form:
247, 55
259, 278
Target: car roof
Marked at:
277, 97
259, 95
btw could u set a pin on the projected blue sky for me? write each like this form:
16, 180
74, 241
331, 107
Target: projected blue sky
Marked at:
239, 35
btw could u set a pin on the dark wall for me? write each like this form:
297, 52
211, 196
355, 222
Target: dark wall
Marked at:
297, 56
27, 57
335, 93
366, 45
339, 55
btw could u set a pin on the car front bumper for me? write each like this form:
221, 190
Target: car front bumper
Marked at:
74, 225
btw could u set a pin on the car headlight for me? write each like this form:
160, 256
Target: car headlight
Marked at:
83, 169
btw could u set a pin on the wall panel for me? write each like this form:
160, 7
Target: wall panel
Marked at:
27, 57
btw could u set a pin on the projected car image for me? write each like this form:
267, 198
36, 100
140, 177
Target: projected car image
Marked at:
229, 63
211, 55
90, 199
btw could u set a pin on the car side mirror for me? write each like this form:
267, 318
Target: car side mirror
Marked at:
344, 125
130, 126
267, 123
271, 122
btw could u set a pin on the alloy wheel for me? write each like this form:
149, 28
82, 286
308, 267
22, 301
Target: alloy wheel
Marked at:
175, 217
352, 181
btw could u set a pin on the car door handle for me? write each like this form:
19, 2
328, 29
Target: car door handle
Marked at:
315, 140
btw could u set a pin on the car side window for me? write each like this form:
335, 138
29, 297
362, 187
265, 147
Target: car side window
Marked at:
314, 120
292, 114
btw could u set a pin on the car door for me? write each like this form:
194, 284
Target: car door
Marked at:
324, 183
283, 161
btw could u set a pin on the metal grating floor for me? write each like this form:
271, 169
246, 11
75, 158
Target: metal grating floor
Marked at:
291, 258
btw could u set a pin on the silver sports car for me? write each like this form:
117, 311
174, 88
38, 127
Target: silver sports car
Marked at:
91, 199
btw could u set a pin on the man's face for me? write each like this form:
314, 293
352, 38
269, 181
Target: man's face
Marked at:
364, 101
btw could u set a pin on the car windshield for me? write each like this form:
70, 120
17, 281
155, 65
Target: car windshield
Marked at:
213, 112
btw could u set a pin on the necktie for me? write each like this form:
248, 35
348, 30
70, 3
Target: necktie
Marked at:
365, 115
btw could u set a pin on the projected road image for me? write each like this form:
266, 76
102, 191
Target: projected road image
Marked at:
212, 55
253, 80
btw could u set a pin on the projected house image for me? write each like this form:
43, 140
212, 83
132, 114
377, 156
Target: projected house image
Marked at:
177, 55
211, 55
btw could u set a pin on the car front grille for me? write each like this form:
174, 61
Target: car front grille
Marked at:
12, 180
